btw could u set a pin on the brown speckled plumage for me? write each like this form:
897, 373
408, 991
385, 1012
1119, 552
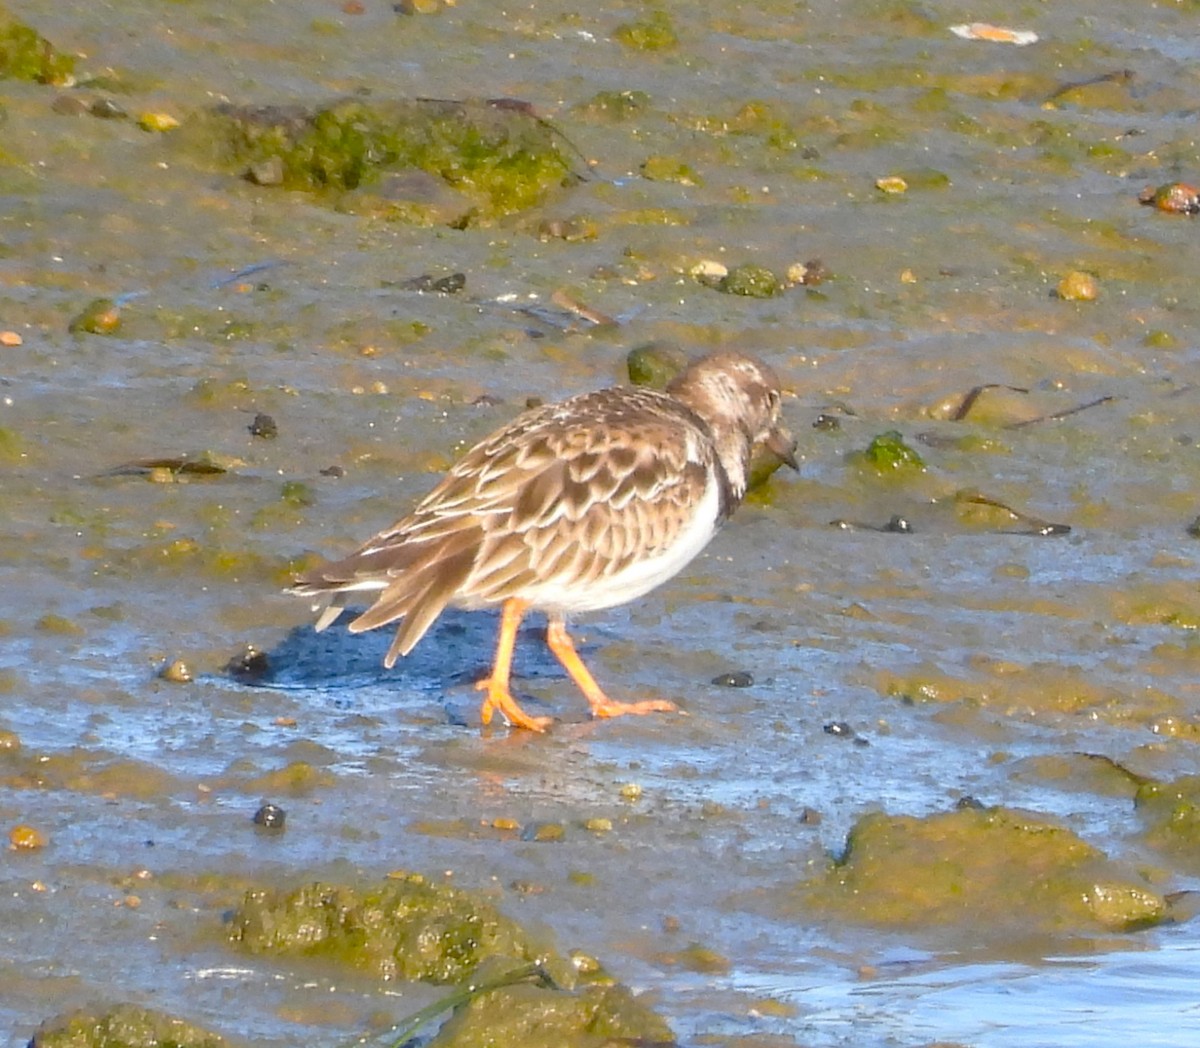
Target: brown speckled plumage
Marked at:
571, 507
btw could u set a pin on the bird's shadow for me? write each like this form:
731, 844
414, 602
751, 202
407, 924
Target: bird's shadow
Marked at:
346, 669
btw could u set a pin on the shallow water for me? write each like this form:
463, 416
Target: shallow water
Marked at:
145, 789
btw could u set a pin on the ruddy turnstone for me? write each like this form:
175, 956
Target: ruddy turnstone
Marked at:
571, 507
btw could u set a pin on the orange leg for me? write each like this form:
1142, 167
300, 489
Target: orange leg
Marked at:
496, 685
602, 706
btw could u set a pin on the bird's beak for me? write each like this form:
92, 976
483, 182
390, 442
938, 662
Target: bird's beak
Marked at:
783, 444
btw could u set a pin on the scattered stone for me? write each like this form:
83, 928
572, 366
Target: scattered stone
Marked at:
107, 109
101, 316
270, 817
264, 426
1078, 286
26, 838
807, 274
250, 665
734, 679
157, 123
750, 281
176, 672
1175, 197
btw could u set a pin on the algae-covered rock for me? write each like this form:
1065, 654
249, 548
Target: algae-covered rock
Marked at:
1171, 811
26, 55
654, 33
101, 316
405, 928
539, 1017
123, 1026
497, 154
1000, 873
750, 281
654, 364
888, 454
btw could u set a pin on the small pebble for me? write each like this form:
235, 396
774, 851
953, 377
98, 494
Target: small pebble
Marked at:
807, 274
1078, 286
543, 832
107, 109
270, 817
176, 672
157, 122
736, 679
26, 838
249, 665
631, 791
891, 184
264, 426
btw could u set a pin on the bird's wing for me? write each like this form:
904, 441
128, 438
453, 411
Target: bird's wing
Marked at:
575, 492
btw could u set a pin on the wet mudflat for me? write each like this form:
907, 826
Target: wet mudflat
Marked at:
976, 691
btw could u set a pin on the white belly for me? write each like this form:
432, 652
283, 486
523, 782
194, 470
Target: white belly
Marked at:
641, 576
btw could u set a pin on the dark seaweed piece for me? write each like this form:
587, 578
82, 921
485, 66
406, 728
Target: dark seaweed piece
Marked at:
1117, 76
202, 466
1031, 525
1132, 776
403, 1033
974, 394
1066, 413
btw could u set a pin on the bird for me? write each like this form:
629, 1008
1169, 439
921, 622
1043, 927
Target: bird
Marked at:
571, 507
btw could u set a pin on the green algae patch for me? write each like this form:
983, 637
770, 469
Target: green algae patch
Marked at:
101, 316
750, 281
669, 169
123, 1026
888, 455
615, 106
1029, 690
84, 771
1171, 813
27, 55
499, 157
655, 364
654, 33
1000, 873
405, 929
296, 779
543, 1017
1170, 602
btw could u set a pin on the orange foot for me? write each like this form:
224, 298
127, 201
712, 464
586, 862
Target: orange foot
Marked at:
609, 708
500, 698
